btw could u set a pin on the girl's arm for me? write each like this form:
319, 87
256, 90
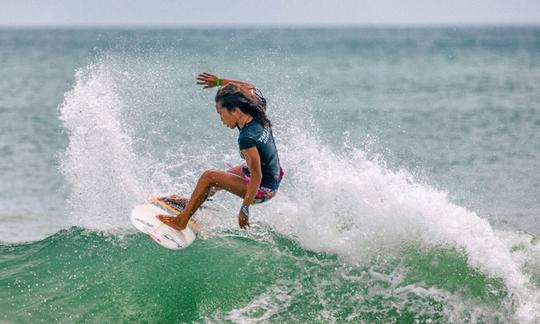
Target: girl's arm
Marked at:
253, 161
209, 81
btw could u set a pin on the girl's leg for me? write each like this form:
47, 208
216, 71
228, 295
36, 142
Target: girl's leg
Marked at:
184, 201
234, 170
211, 178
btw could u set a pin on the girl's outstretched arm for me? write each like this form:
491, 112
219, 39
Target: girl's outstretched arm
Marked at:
210, 80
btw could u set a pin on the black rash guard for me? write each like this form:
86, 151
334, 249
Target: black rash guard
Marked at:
256, 134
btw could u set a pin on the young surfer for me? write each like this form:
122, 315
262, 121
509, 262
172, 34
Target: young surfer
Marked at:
239, 105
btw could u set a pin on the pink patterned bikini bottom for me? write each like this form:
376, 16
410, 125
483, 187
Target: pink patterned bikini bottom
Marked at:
263, 193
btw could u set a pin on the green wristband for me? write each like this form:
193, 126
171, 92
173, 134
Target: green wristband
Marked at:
218, 81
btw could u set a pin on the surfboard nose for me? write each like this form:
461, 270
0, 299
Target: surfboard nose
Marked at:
144, 218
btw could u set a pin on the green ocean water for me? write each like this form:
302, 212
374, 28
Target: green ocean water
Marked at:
77, 275
411, 191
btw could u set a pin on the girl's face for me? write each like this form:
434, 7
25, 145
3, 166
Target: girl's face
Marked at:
228, 118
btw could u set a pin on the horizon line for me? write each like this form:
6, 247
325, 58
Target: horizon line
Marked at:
269, 26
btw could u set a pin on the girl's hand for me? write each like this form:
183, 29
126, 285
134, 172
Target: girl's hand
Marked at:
206, 79
243, 220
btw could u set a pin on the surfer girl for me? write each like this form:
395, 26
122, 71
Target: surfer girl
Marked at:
239, 105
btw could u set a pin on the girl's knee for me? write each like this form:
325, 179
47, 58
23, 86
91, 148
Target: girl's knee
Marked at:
209, 176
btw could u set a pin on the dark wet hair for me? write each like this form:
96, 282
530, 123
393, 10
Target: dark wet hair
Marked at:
232, 95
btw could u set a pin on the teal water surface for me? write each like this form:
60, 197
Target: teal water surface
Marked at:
411, 191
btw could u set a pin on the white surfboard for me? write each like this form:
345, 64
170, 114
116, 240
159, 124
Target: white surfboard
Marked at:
143, 217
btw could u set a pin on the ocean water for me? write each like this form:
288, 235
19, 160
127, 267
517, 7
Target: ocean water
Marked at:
412, 190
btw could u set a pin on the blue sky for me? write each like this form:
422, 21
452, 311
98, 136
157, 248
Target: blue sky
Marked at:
36, 13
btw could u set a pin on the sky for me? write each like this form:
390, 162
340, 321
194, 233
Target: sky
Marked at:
170, 13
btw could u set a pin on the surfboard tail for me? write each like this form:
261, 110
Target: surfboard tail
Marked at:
167, 204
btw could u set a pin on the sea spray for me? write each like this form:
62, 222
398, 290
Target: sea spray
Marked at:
357, 207
99, 162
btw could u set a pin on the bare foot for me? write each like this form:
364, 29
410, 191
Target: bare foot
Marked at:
175, 222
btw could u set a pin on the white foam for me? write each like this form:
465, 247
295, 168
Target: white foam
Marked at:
264, 306
99, 162
354, 207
